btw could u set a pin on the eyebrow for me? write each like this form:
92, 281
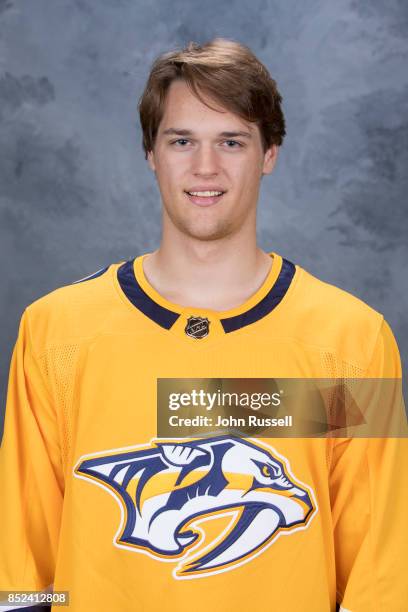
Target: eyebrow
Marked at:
180, 132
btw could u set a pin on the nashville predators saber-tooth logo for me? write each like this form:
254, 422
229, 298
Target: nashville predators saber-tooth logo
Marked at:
209, 504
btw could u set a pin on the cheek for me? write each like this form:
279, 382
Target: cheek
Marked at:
172, 171
246, 178
247, 171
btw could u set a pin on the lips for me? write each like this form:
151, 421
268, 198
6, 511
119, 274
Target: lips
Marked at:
212, 195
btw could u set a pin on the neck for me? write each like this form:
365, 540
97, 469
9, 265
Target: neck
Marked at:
217, 274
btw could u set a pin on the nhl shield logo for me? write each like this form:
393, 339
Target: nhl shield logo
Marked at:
197, 327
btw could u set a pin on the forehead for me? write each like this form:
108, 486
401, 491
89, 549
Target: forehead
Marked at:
184, 110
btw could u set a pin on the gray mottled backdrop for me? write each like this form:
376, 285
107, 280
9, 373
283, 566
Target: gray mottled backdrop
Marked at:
75, 190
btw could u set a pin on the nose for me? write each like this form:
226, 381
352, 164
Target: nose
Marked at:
205, 161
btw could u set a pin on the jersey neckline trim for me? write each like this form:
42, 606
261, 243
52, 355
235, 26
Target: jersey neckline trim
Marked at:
146, 299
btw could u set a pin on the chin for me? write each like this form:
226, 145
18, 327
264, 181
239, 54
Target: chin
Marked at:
207, 233
198, 227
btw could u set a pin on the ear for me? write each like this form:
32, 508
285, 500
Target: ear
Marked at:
270, 158
150, 161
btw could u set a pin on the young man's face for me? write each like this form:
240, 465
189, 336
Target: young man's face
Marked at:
198, 149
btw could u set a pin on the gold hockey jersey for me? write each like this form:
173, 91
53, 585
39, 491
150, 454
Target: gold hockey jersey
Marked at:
94, 503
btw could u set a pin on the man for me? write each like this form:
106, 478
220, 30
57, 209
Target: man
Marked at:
225, 521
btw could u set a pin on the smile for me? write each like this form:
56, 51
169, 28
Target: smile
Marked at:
204, 198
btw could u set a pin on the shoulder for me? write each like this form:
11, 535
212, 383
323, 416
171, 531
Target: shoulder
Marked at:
72, 312
333, 319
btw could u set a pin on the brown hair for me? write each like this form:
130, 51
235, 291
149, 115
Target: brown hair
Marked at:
227, 72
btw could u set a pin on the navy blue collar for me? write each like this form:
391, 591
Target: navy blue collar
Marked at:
166, 318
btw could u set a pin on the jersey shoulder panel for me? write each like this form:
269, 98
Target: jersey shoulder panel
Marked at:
73, 312
333, 319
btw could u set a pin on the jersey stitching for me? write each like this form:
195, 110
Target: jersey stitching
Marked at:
372, 564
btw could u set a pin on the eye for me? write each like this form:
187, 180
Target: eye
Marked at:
271, 471
179, 140
235, 142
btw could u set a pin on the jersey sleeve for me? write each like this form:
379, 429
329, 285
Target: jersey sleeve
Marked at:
369, 499
31, 476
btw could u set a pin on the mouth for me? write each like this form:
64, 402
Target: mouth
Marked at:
204, 198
